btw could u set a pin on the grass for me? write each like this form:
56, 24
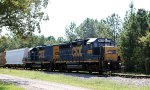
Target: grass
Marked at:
8, 86
92, 83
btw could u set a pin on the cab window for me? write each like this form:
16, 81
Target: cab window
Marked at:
90, 46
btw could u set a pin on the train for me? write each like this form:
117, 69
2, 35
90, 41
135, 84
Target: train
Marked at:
92, 55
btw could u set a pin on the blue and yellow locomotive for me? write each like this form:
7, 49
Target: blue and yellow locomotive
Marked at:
92, 54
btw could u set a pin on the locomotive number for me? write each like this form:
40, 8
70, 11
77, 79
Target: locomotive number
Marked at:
41, 54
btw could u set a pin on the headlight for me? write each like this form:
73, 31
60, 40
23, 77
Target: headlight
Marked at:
108, 62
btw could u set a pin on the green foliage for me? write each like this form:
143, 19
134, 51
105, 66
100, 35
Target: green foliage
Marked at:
22, 17
135, 25
145, 40
115, 25
103, 29
15, 42
70, 32
60, 40
91, 28
8, 86
87, 29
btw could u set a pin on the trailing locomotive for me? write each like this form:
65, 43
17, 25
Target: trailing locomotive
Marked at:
93, 55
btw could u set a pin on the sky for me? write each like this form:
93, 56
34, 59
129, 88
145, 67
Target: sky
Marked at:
62, 12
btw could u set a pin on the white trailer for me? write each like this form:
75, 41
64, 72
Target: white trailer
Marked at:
17, 56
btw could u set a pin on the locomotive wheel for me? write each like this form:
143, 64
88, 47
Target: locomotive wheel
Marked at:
49, 67
100, 72
90, 69
69, 71
31, 67
101, 67
90, 72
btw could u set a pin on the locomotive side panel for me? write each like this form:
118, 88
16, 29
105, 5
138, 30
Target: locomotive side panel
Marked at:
48, 54
55, 53
40, 57
65, 52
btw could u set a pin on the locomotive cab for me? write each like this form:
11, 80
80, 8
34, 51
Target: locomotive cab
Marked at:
105, 50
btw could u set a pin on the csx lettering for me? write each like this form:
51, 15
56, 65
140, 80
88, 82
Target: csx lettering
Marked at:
76, 51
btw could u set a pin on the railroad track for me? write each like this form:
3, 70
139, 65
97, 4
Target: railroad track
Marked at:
130, 76
103, 75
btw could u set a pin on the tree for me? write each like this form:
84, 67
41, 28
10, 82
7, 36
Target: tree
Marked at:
145, 40
103, 29
115, 24
86, 29
129, 39
22, 17
134, 26
142, 18
70, 32
60, 40
4, 43
108, 28
14, 42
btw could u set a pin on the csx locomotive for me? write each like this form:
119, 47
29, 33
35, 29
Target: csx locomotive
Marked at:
92, 54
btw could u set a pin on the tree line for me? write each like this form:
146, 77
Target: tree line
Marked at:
90, 28
9, 42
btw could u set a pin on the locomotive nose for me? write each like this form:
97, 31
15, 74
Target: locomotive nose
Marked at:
110, 53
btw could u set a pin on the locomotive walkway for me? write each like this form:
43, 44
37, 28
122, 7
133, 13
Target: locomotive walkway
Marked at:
34, 84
